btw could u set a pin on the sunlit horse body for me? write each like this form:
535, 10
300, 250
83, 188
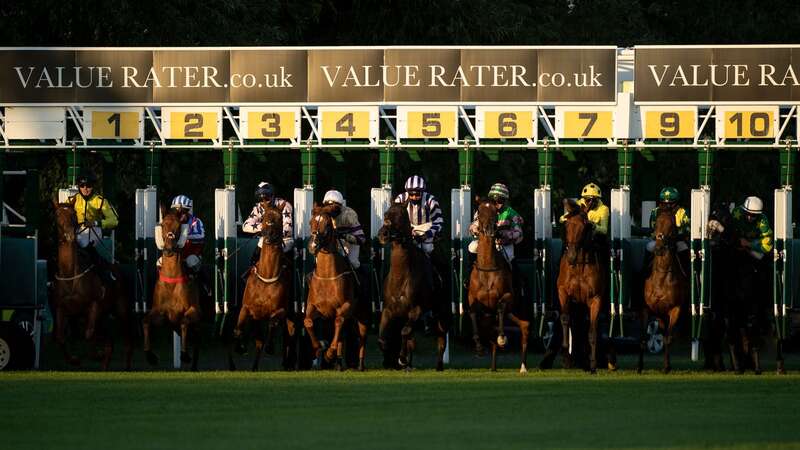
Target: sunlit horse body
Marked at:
331, 291
490, 288
175, 296
580, 280
736, 295
80, 292
266, 295
666, 289
407, 292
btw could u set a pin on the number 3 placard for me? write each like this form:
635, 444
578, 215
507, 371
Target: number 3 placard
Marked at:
191, 123
270, 123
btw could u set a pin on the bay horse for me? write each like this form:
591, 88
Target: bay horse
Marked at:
175, 296
580, 279
735, 289
490, 288
407, 292
266, 294
331, 291
666, 289
80, 292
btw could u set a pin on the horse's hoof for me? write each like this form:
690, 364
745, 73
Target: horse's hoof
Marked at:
151, 357
185, 358
493, 369
593, 371
639, 370
440, 366
316, 364
501, 341
407, 369
402, 361
479, 349
330, 355
781, 369
382, 344
74, 361
523, 370
666, 370
240, 348
612, 367
757, 371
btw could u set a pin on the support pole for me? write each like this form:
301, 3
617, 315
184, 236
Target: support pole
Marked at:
783, 282
620, 235
543, 233
461, 211
700, 256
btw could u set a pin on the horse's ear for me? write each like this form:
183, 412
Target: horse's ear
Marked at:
162, 210
478, 199
569, 205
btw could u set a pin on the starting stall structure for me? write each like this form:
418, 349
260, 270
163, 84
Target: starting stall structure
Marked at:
599, 98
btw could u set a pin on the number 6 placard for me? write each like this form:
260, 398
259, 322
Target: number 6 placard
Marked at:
191, 123
503, 122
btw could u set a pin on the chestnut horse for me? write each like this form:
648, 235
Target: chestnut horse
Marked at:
580, 279
175, 297
407, 292
666, 289
490, 288
331, 290
266, 295
80, 292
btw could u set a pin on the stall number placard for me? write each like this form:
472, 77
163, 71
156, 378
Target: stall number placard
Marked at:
506, 124
270, 123
192, 124
431, 125
747, 124
675, 124
587, 124
113, 123
345, 124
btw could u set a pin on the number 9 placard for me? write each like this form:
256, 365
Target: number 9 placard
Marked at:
670, 122
496, 122
427, 122
191, 123
270, 123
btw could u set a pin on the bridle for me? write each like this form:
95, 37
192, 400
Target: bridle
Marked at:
317, 238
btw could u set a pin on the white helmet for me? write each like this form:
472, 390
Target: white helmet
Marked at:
182, 201
753, 205
333, 197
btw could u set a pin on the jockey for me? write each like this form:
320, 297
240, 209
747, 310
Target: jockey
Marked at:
266, 193
423, 211
668, 199
192, 252
509, 223
348, 229
753, 228
596, 211
95, 214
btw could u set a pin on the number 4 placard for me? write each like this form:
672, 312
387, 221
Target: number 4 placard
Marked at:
191, 123
270, 123
348, 122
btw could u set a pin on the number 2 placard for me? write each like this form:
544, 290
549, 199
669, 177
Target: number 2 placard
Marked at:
191, 123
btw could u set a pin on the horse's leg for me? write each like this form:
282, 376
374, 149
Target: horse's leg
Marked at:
62, 322
260, 341
236, 345
493, 367
781, 369
149, 318
382, 327
501, 314
441, 341
644, 318
362, 346
341, 315
474, 309
289, 343
308, 324
185, 358
565, 331
674, 313
755, 345
594, 312
524, 331
192, 320
407, 335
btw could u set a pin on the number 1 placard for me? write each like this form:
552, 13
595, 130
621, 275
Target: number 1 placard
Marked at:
270, 123
340, 122
584, 123
113, 123
191, 123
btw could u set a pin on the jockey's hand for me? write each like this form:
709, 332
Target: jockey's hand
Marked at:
419, 238
744, 243
351, 239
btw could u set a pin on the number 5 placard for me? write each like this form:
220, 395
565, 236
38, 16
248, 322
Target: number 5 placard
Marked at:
584, 122
427, 122
191, 123
348, 122
270, 123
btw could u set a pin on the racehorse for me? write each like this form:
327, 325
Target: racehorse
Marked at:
80, 292
666, 289
580, 279
331, 291
490, 288
175, 296
407, 291
266, 295
735, 286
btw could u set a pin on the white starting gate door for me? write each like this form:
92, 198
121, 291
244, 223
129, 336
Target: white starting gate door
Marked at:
146, 207
620, 234
700, 261
461, 218
225, 232
782, 283
543, 233
380, 201
304, 263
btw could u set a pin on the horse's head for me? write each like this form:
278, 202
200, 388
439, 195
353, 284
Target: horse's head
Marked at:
271, 224
665, 230
171, 231
396, 224
66, 221
576, 229
322, 232
487, 218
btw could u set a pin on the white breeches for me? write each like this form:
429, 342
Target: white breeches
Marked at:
351, 251
507, 250
192, 262
89, 235
680, 246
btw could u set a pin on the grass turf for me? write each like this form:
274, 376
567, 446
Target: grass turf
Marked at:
385, 409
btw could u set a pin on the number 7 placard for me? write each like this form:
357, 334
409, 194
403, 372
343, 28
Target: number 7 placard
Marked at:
191, 123
584, 122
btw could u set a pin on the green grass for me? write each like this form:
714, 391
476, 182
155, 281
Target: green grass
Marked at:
458, 409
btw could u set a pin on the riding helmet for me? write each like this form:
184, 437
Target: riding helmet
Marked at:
498, 191
264, 189
333, 196
753, 205
591, 190
182, 202
669, 194
415, 183
87, 178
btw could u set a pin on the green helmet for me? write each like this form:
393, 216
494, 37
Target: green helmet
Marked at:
669, 194
498, 190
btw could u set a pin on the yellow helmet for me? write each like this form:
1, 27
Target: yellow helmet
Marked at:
591, 190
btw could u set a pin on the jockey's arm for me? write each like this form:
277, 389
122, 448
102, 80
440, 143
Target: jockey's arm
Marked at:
288, 222
437, 220
764, 242
252, 224
601, 220
110, 219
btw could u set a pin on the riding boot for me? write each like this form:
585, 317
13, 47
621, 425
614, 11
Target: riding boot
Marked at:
103, 266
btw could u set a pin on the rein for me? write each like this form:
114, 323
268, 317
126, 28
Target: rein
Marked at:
75, 277
330, 278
